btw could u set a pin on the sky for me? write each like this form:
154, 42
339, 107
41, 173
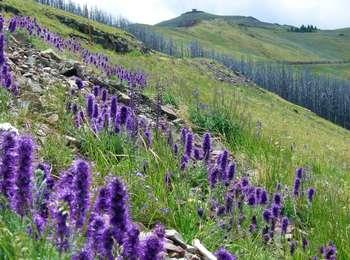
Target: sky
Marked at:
325, 14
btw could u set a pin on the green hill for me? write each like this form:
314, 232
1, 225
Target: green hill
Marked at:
268, 136
246, 36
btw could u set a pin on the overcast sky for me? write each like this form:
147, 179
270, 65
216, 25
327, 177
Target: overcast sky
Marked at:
327, 14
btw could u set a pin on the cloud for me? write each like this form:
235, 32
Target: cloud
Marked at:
323, 13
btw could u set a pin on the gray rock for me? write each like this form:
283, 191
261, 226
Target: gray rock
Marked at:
52, 119
203, 251
49, 53
174, 236
169, 112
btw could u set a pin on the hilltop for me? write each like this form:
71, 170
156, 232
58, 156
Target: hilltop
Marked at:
247, 36
263, 139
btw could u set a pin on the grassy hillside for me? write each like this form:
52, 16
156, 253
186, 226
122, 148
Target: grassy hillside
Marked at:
239, 36
273, 138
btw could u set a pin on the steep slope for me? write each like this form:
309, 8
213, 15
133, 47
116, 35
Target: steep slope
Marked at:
268, 137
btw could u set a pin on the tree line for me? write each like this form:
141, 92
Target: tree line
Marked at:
328, 97
92, 13
303, 29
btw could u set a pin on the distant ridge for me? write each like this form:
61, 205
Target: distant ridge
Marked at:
195, 16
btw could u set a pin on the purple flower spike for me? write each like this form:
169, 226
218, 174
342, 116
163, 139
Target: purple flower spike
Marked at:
96, 91
224, 161
197, 154
206, 146
189, 144
104, 95
148, 138
183, 135
152, 248
284, 225
119, 211
113, 111
81, 186
131, 244
90, 106
276, 210
299, 173
310, 194
222, 254
277, 198
102, 204
296, 188
264, 197
62, 231
231, 170
213, 177
79, 83
23, 194
267, 215
8, 164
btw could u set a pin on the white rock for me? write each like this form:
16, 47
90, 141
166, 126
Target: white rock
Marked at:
203, 251
8, 127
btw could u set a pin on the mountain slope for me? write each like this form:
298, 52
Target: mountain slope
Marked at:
270, 137
239, 36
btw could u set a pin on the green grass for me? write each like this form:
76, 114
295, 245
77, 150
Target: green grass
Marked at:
268, 136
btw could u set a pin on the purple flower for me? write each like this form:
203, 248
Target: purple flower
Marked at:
148, 138
81, 186
267, 215
113, 110
310, 194
277, 198
107, 244
264, 197
276, 210
253, 224
175, 149
62, 231
84, 254
90, 106
222, 254
79, 83
95, 114
296, 188
102, 204
12, 25
104, 95
131, 244
228, 202
183, 135
206, 146
305, 243
224, 161
230, 172
23, 194
95, 232
8, 164
197, 154
119, 211
284, 225
184, 162
152, 248
123, 115
39, 223
213, 177
299, 173
189, 144
96, 91
167, 179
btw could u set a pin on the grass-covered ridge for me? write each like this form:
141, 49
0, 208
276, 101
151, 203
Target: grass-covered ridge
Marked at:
270, 150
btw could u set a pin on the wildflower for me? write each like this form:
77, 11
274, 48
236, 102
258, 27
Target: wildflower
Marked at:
277, 198
276, 210
224, 161
305, 243
167, 179
104, 95
113, 109
213, 177
310, 194
175, 149
254, 223
183, 135
296, 186
189, 144
299, 173
148, 138
131, 244
102, 203
119, 211
264, 197
284, 225
230, 173
96, 90
79, 83
8, 164
184, 162
152, 248
85, 254
23, 193
197, 154
96, 112
107, 244
90, 106
62, 231
228, 202
206, 146
267, 215
81, 186
222, 254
